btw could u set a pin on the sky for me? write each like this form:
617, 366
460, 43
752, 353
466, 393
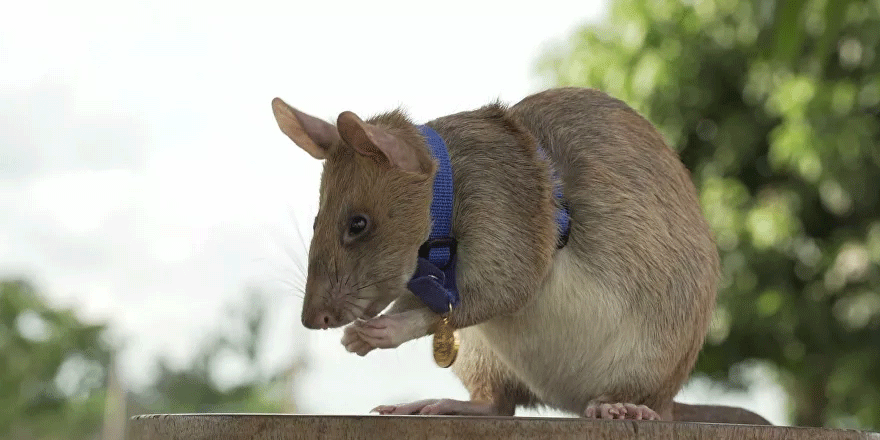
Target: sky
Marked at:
144, 181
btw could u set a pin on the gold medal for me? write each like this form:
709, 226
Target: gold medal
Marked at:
445, 344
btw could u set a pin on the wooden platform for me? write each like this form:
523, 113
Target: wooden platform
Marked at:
284, 427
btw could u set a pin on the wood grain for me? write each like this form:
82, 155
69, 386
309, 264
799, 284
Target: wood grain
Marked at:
284, 427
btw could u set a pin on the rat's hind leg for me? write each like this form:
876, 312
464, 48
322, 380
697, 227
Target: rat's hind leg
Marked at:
604, 410
494, 390
626, 405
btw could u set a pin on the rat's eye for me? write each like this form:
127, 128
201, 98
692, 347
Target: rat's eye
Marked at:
357, 224
315, 223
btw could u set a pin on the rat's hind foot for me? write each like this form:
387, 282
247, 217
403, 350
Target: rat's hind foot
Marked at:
596, 410
439, 406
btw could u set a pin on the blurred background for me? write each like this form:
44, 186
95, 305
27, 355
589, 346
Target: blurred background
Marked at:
154, 221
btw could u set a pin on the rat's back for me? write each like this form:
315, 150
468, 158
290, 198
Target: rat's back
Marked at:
637, 230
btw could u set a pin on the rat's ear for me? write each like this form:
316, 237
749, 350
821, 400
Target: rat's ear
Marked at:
376, 143
310, 133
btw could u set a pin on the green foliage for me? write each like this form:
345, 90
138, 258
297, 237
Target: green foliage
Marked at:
52, 368
775, 108
54, 372
195, 387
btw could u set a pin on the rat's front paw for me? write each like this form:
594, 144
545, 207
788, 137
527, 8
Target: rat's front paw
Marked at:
386, 331
352, 340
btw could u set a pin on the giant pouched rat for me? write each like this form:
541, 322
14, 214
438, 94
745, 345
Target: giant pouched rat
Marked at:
607, 326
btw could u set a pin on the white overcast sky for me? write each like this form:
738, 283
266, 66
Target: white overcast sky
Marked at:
143, 179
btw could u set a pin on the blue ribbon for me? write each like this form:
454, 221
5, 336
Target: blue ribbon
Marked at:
441, 204
434, 279
563, 219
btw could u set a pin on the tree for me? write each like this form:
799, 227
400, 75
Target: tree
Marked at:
56, 381
52, 368
775, 108
194, 388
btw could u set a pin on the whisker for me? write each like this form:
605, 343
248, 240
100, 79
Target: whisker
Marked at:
293, 257
354, 310
293, 289
357, 265
327, 274
297, 295
293, 281
299, 266
349, 315
357, 287
302, 240
355, 305
279, 267
289, 284
373, 284
276, 239
298, 287
352, 302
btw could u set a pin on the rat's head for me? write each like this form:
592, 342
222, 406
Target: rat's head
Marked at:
373, 215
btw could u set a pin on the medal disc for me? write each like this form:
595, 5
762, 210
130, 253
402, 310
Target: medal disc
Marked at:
445, 344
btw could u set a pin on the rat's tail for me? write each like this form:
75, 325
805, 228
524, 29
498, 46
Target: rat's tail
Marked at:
715, 414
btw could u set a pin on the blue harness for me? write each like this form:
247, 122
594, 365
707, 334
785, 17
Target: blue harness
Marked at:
434, 278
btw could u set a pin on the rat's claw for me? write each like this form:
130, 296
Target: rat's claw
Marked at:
590, 413
376, 337
596, 410
640, 412
437, 407
378, 322
360, 348
363, 350
349, 335
609, 411
404, 408
384, 409
386, 331
389, 331
353, 342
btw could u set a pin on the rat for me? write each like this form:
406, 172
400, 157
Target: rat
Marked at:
609, 325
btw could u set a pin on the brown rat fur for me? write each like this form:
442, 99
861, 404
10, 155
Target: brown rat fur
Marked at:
608, 326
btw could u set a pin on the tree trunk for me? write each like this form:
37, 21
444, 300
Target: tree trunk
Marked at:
811, 403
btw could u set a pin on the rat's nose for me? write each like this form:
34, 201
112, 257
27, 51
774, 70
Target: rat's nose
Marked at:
319, 320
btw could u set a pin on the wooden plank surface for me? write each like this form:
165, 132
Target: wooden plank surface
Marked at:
284, 427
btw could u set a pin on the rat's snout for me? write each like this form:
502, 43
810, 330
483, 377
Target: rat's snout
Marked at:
324, 305
319, 319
